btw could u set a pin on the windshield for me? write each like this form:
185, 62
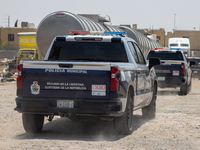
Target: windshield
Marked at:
27, 52
184, 45
166, 56
173, 44
88, 51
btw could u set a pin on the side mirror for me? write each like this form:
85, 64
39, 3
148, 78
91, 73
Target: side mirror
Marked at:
154, 61
192, 63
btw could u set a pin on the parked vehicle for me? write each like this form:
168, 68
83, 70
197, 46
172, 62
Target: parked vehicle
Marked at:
174, 70
88, 75
195, 68
27, 47
182, 44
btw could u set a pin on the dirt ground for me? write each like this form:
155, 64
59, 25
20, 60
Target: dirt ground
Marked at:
176, 126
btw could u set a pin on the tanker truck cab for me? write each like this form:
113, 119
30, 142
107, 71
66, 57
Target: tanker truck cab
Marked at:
182, 44
88, 74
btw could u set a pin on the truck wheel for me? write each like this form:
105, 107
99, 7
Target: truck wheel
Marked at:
124, 123
184, 89
33, 123
190, 86
149, 112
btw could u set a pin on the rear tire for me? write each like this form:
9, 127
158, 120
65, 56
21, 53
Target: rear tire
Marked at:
184, 89
33, 123
124, 124
190, 86
149, 112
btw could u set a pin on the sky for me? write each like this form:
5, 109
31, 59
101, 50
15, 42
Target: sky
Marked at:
149, 14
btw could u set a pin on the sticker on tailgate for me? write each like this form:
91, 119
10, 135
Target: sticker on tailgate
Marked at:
35, 88
99, 90
175, 73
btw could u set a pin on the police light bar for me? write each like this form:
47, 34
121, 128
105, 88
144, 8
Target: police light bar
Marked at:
98, 32
114, 33
79, 32
155, 48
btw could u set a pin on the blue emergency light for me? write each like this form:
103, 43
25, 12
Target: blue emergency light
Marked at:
98, 32
114, 33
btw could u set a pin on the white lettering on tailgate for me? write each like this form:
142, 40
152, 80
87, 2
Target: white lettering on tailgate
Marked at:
67, 71
77, 71
65, 86
54, 70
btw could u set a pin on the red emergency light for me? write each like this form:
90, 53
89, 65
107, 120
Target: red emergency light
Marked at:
79, 32
157, 48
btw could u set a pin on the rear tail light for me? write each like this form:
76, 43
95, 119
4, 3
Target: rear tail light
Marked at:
182, 67
114, 83
19, 78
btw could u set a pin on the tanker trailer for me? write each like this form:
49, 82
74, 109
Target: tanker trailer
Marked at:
144, 42
60, 23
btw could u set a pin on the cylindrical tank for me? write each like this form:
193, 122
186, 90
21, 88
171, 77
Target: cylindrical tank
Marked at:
144, 42
60, 23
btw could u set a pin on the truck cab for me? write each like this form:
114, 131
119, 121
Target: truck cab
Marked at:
182, 44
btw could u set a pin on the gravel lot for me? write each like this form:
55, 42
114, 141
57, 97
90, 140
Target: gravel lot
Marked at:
176, 126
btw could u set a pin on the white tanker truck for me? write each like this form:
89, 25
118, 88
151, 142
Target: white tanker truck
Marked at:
62, 22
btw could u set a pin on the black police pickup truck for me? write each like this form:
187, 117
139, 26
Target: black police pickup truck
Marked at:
87, 75
174, 70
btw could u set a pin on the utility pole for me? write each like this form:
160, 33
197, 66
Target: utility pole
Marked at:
8, 21
174, 24
174, 21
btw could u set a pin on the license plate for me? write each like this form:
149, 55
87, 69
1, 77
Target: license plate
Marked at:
161, 78
65, 104
195, 71
175, 73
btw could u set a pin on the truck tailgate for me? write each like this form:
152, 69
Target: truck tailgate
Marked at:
169, 69
66, 80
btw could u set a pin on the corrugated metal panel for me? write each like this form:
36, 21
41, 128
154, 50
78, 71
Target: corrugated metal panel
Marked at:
144, 42
61, 22
52, 26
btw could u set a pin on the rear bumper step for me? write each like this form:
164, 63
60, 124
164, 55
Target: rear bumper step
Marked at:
171, 82
87, 107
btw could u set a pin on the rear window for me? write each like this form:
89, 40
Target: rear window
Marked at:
173, 44
166, 56
88, 51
